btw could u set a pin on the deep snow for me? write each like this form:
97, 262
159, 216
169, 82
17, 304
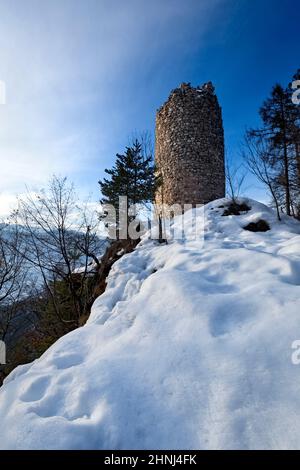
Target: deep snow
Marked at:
189, 347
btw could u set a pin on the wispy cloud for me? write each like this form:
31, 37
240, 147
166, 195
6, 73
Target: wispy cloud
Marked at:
72, 70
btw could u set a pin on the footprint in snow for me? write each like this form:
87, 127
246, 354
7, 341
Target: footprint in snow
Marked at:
36, 390
66, 361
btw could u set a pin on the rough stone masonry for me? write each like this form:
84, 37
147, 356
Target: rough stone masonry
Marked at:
189, 147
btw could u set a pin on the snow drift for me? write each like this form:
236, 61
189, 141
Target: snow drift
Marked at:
189, 347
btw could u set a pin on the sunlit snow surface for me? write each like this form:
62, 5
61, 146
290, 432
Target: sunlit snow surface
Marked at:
189, 347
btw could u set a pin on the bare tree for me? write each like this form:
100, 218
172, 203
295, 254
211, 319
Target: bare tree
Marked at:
257, 159
235, 178
64, 245
14, 278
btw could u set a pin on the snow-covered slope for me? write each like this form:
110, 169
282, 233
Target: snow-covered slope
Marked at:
189, 347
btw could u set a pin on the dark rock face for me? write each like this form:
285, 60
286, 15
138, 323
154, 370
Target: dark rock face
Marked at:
189, 147
235, 208
259, 226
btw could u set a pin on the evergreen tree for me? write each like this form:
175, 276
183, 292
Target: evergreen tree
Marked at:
132, 175
276, 114
295, 146
279, 117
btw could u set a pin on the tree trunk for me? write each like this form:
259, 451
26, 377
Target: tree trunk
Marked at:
286, 163
287, 181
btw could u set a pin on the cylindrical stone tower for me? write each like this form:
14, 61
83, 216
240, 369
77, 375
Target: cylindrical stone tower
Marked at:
189, 147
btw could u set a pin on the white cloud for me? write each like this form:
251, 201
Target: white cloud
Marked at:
67, 65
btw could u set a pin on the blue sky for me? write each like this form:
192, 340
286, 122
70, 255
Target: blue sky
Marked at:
83, 75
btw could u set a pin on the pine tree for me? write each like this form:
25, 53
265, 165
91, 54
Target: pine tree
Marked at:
295, 146
132, 175
276, 114
278, 117
273, 150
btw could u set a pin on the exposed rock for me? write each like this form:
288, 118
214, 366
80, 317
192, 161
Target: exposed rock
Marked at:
259, 226
235, 208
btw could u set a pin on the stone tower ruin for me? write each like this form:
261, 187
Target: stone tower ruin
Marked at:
189, 147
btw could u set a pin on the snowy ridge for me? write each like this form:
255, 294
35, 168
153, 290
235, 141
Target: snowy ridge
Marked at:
189, 347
